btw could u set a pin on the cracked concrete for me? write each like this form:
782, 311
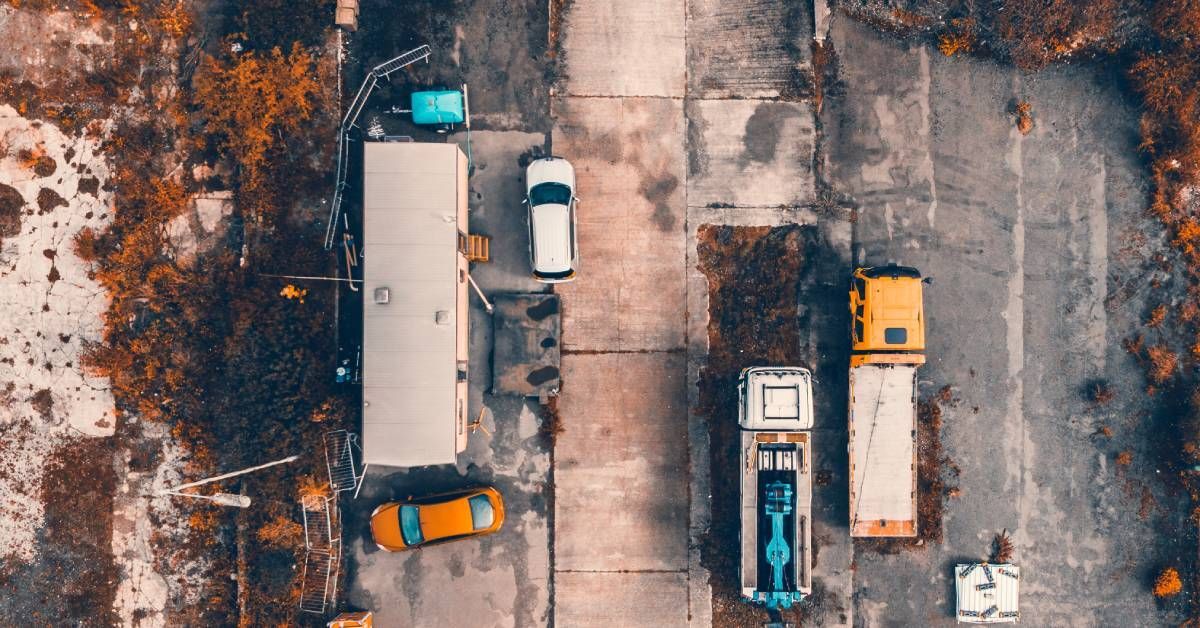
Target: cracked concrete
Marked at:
51, 308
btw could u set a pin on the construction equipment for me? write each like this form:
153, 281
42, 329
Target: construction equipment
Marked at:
888, 336
775, 416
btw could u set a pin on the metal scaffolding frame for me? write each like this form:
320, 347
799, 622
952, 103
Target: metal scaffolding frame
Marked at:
350, 120
344, 472
323, 553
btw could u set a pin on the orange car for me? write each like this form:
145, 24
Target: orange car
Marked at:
398, 526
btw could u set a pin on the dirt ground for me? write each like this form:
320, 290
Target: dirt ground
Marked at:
75, 574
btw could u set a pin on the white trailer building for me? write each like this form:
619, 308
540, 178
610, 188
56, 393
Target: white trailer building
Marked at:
415, 310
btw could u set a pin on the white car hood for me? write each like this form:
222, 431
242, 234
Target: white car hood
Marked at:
550, 171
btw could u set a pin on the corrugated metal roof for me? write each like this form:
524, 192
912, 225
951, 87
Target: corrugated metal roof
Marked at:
987, 594
882, 422
410, 246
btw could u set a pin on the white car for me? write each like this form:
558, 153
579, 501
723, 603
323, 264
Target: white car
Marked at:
550, 196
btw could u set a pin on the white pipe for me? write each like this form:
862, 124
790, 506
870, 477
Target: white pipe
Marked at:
486, 305
312, 278
361, 480
226, 476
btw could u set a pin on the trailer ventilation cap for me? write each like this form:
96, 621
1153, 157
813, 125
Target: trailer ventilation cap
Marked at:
383, 295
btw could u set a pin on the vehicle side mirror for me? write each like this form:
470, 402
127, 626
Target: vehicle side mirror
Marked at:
927, 281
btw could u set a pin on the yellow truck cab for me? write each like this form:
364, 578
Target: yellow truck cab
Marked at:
887, 344
885, 304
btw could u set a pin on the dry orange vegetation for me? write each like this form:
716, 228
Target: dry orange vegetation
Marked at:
1002, 548
1037, 32
959, 38
282, 532
1168, 583
248, 104
209, 347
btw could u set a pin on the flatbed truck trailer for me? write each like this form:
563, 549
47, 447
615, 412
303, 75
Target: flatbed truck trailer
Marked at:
888, 341
775, 417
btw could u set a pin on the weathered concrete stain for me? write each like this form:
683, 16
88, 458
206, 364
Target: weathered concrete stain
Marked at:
12, 205
540, 376
542, 310
658, 191
762, 131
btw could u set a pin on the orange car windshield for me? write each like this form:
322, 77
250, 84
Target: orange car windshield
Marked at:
410, 525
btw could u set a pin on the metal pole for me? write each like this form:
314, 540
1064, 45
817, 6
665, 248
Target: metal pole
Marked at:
467, 119
226, 476
361, 480
312, 278
486, 305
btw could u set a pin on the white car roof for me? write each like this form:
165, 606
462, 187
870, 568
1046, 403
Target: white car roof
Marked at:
551, 238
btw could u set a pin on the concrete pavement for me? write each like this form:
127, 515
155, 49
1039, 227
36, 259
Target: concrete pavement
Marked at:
621, 489
660, 148
1021, 234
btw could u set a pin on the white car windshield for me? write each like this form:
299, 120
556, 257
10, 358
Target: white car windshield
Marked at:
555, 193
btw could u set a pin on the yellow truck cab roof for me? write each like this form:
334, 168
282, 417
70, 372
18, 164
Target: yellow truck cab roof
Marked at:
887, 310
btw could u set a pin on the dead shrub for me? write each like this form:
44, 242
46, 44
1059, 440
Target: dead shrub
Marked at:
1163, 363
961, 37
1157, 316
310, 487
249, 105
1168, 583
1002, 548
282, 532
1177, 21
84, 244
1100, 393
1022, 114
1036, 32
174, 18
1124, 458
910, 19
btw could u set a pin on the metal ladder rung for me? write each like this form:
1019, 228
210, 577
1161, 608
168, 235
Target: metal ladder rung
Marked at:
479, 248
419, 53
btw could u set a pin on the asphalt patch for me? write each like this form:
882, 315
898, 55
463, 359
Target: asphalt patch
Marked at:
11, 206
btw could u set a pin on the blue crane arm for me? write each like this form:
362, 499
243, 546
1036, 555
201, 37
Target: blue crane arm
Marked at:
779, 551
